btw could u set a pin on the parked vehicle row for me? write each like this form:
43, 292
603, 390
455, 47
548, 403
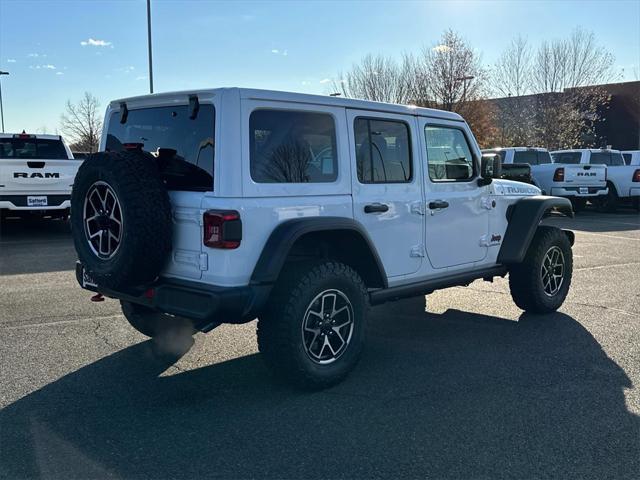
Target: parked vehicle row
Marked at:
36, 175
600, 176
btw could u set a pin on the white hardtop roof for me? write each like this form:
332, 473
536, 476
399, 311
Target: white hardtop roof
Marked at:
274, 95
592, 150
517, 149
41, 136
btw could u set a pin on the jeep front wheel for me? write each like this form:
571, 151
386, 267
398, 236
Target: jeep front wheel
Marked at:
312, 330
541, 282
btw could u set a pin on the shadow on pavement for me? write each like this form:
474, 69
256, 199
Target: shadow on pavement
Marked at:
456, 395
35, 246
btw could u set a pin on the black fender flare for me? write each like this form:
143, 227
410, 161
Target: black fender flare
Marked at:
285, 235
524, 218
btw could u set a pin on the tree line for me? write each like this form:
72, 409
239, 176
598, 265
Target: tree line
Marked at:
549, 93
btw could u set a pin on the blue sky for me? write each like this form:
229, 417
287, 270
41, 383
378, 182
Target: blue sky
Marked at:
56, 50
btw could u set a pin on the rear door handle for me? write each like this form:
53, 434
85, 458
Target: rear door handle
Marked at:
376, 208
438, 204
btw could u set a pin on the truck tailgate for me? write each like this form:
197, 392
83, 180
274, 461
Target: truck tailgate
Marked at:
585, 175
18, 176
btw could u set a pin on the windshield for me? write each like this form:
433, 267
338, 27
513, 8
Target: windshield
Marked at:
566, 157
32, 148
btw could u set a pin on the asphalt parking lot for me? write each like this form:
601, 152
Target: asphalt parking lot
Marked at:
472, 388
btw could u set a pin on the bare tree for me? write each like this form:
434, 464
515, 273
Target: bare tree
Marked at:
82, 123
450, 74
511, 75
577, 61
376, 78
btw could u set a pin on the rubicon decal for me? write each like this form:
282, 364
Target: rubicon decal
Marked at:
36, 175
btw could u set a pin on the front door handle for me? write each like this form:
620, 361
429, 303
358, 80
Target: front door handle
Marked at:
376, 208
436, 204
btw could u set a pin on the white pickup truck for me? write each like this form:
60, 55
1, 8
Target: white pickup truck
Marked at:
36, 175
623, 181
578, 183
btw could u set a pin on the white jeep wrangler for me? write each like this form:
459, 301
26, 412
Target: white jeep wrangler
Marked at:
220, 206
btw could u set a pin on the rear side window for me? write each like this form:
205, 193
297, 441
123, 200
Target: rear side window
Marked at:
627, 158
566, 157
526, 156
383, 152
502, 154
544, 157
289, 146
32, 148
183, 146
606, 158
448, 154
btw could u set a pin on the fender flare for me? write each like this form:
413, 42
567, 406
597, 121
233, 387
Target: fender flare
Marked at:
524, 218
285, 235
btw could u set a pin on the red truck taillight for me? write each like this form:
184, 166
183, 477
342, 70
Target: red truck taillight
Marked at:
636, 176
559, 175
222, 229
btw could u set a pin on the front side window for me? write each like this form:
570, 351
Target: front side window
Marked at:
383, 152
184, 146
567, 158
289, 146
448, 154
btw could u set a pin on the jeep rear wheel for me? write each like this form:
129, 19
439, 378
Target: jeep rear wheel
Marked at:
313, 328
541, 282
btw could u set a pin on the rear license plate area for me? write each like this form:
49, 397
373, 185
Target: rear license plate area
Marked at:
37, 201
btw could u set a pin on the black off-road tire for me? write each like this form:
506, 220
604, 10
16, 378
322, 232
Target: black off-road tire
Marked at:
578, 204
146, 215
280, 327
609, 203
525, 279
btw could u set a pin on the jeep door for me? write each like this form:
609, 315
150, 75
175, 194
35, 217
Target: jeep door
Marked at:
457, 212
386, 186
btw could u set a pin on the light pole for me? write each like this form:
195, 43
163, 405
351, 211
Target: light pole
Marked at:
2, 111
149, 43
465, 79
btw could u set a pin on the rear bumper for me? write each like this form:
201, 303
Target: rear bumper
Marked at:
634, 192
19, 202
206, 305
575, 192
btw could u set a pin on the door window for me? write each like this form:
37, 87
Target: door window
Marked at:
289, 146
383, 152
448, 154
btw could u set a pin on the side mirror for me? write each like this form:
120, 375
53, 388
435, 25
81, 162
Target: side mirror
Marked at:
490, 167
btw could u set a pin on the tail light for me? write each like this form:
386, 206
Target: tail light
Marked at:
559, 175
636, 176
222, 229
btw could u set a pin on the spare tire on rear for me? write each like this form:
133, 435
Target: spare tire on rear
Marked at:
121, 218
